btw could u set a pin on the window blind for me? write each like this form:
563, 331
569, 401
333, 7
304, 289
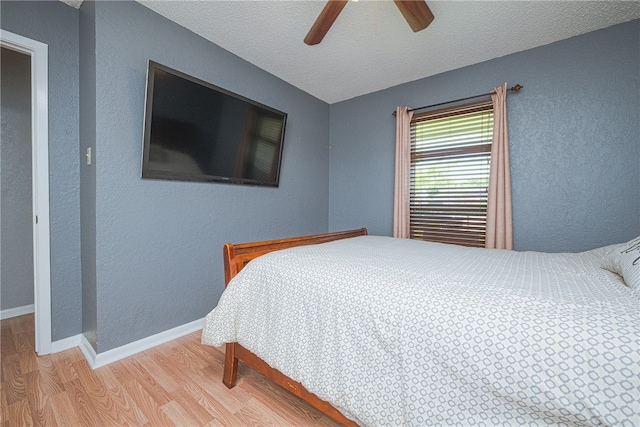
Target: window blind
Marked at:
450, 157
268, 134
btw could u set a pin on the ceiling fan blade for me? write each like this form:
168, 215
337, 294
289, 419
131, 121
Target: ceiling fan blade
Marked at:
416, 13
326, 18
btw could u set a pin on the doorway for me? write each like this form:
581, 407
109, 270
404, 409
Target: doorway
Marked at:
38, 54
16, 292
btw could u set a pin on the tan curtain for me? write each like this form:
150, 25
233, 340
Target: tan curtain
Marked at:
402, 177
499, 234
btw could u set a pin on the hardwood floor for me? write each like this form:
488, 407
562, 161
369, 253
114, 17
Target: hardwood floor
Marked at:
175, 384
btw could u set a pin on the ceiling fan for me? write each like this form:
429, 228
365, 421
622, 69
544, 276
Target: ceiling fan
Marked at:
415, 12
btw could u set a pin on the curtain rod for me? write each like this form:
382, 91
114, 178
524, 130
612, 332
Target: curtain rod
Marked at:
515, 88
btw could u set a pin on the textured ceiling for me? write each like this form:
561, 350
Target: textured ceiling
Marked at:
370, 47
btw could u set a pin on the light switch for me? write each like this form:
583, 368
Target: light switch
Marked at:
88, 156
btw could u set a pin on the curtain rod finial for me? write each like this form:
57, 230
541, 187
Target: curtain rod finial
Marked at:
517, 88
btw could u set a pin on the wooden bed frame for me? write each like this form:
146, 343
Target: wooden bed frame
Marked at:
235, 258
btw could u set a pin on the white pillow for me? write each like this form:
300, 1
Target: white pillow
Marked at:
625, 261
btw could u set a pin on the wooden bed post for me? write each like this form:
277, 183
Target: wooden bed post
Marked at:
230, 375
230, 268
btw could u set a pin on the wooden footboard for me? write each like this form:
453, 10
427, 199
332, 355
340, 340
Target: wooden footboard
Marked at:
235, 258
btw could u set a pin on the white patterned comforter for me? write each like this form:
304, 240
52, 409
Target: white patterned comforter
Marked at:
402, 332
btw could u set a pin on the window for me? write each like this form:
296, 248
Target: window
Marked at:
450, 157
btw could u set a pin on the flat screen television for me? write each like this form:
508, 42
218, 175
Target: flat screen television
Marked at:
195, 131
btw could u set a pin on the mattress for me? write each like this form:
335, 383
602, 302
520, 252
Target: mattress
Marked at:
404, 332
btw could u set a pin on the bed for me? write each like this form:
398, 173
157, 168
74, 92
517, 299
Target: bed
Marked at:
374, 330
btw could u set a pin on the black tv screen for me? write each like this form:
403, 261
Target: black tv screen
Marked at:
195, 131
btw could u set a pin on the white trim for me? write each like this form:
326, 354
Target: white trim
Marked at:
87, 350
110, 356
66, 343
8, 313
40, 174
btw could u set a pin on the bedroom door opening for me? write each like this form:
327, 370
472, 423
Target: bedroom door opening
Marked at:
38, 53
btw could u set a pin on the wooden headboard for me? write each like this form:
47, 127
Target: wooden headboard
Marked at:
237, 256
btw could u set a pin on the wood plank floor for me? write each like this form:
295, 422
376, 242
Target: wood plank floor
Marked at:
174, 384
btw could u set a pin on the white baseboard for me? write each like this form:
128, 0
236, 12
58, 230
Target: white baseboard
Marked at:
97, 360
102, 359
66, 343
8, 313
88, 351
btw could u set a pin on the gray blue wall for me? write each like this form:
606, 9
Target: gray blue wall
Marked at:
159, 243
56, 24
133, 257
87, 85
16, 280
574, 137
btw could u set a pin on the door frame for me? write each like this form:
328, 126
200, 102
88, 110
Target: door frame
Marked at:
39, 53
